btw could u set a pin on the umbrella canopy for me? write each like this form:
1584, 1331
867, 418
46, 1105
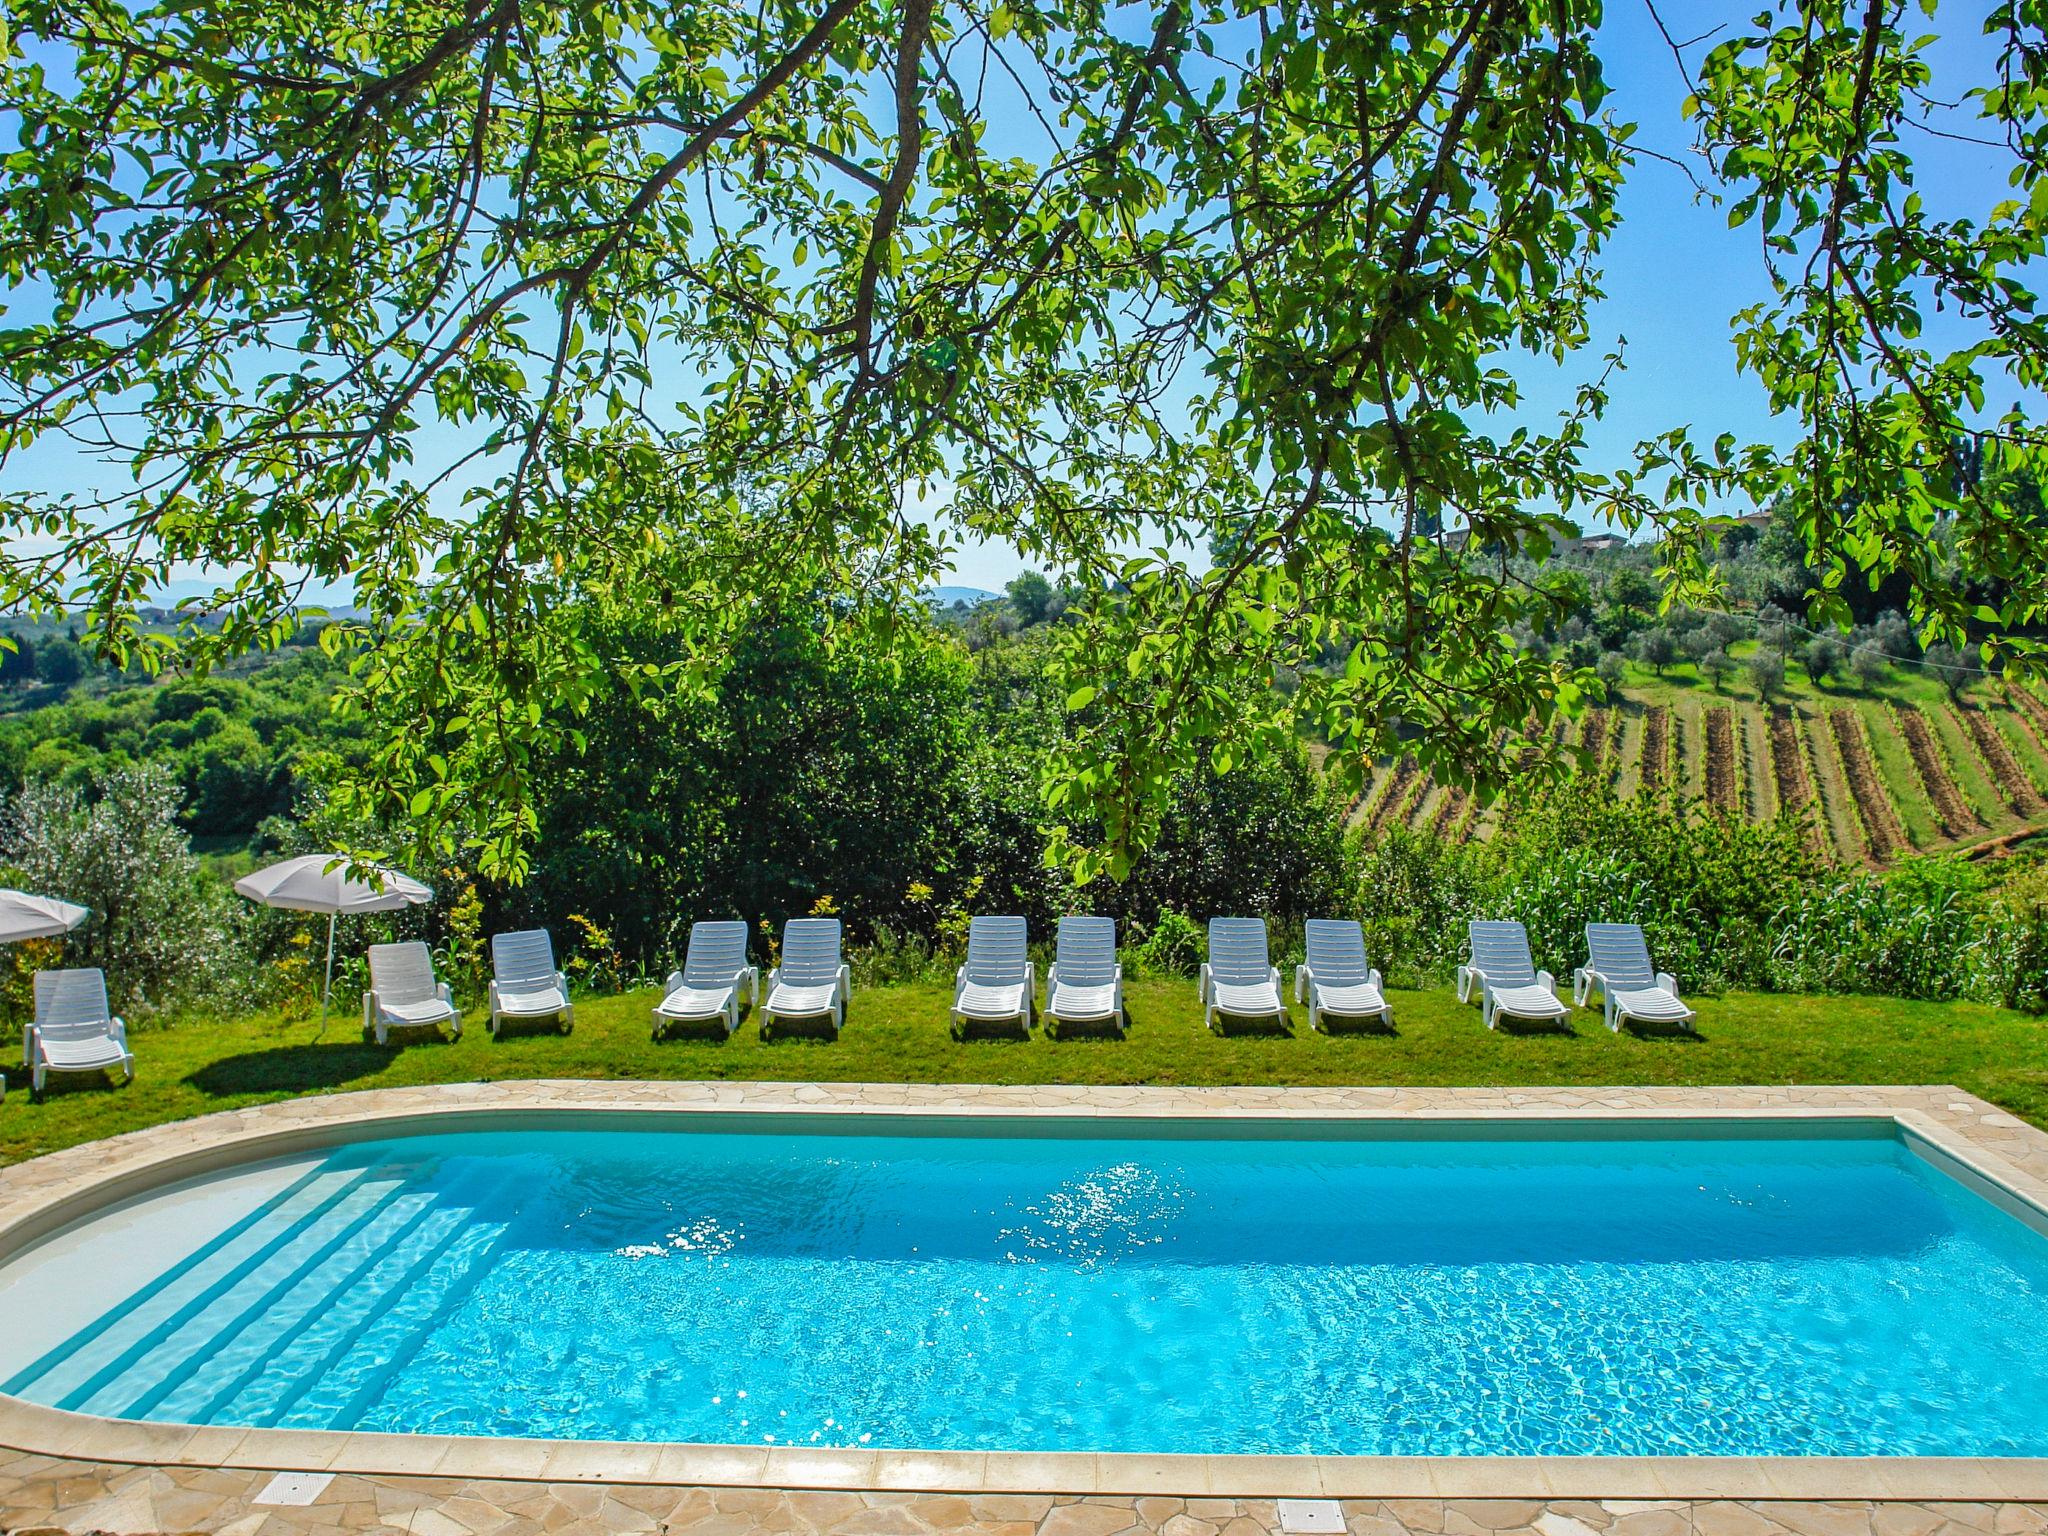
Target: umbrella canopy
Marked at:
320, 882
23, 916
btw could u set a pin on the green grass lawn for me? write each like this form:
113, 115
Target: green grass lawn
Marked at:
899, 1034
1900, 684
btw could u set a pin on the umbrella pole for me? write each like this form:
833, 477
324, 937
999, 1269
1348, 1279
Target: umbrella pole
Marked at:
327, 989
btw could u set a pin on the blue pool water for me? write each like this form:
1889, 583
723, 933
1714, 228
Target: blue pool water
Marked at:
1753, 1297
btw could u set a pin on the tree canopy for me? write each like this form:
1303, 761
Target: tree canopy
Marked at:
518, 315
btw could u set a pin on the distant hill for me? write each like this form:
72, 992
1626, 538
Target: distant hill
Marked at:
946, 597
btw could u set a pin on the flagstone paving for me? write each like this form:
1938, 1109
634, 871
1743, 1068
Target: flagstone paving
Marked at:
40, 1494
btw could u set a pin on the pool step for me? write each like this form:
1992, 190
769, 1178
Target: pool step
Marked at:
381, 1337
233, 1349
128, 1385
76, 1368
362, 1325
245, 1329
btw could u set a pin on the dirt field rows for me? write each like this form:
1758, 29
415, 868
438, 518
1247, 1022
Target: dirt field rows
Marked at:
1875, 779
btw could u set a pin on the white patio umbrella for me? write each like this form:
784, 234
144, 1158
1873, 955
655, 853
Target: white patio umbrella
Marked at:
23, 916
320, 882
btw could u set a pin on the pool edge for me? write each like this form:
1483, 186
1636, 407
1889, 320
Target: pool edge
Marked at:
1992, 1152
33, 1429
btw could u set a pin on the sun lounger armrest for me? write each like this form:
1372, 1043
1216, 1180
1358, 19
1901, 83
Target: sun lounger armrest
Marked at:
1547, 982
1273, 975
491, 996
1467, 975
1583, 980
675, 979
1030, 979
117, 1027
845, 983
1304, 978
1204, 981
441, 991
753, 975
1372, 979
1668, 982
774, 977
371, 1008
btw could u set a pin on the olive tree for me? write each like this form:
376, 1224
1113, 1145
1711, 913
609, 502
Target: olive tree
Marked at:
163, 933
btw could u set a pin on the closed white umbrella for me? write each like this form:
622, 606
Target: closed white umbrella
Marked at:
23, 916
321, 882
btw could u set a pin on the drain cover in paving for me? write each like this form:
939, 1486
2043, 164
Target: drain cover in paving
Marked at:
1311, 1517
305, 1487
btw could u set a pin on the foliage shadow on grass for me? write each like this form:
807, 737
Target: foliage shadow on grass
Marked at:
293, 1068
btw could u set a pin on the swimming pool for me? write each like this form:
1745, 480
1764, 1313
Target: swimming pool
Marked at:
1314, 1290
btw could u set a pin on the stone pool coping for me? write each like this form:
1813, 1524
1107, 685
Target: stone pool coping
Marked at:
1993, 1151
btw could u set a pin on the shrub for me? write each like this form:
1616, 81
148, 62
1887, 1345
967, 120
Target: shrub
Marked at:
2012, 952
1413, 891
1554, 898
891, 958
1264, 840
1705, 887
1912, 932
165, 935
1174, 947
593, 957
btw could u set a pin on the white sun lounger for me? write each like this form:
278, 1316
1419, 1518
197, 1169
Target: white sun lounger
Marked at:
404, 994
74, 1030
708, 986
998, 984
1086, 983
1618, 964
1506, 979
1334, 978
525, 983
1238, 979
811, 982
